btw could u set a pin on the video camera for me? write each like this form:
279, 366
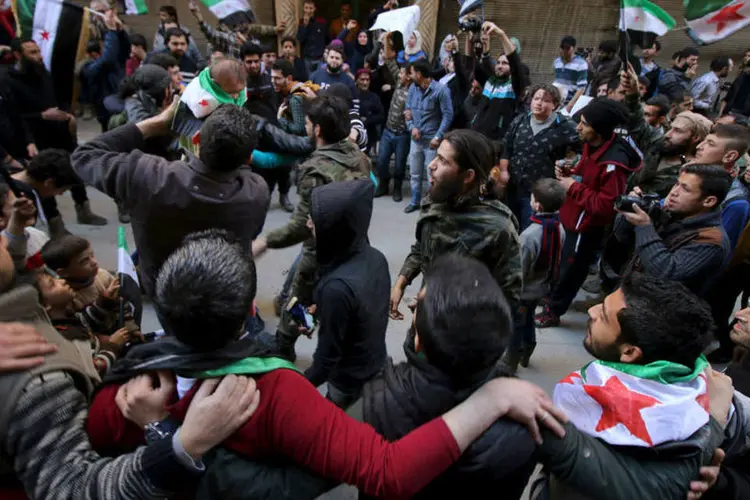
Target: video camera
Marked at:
468, 19
649, 203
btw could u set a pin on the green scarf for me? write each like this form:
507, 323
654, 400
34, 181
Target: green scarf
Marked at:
211, 86
247, 366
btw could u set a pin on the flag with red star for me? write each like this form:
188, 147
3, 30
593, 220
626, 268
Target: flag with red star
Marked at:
199, 99
62, 49
636, 405
712, 20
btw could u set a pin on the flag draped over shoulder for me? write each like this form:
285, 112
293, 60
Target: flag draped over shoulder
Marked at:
199, 99
713, 20
61, 30
636, 405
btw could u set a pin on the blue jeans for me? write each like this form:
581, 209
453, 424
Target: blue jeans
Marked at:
420, 158
524, 331
520, 205
391, 143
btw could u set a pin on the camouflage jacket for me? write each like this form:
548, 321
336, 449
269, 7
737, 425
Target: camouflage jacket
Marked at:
341, 161
483, 229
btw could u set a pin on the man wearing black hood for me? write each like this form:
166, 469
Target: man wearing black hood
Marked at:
352, 294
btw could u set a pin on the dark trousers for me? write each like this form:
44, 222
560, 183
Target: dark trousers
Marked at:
579, 252
520, 204
49, 205
274, 176
524, 331
723, 296
391, 143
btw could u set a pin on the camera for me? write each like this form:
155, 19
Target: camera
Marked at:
472, 24
584, 52
649, 203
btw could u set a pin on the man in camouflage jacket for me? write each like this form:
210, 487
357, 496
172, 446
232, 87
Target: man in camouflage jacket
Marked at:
455, 218
334, 159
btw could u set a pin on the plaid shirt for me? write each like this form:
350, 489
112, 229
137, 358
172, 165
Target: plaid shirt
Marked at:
227, 41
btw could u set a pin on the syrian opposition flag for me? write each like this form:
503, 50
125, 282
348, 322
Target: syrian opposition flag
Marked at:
636, 405
130, 288
199, 99
712, 20
644, 21
136, 7
225, 8
61, 48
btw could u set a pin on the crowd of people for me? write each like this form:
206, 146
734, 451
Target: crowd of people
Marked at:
620, 178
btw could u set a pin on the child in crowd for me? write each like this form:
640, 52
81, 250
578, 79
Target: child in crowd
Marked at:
541, 247
35, 238
78, 326
72, 258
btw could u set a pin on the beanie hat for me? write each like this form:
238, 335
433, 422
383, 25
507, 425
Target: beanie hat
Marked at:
605, 115
361, 71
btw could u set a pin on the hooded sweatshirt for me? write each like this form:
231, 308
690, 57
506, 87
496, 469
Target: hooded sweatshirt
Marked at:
604, 172
352, 294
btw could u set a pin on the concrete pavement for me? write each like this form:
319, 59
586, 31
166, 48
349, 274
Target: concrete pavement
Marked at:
559, 350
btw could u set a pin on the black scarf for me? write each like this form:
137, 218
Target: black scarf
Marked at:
168, 353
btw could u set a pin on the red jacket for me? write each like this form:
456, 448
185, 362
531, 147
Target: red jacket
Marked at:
591, 202
294, 421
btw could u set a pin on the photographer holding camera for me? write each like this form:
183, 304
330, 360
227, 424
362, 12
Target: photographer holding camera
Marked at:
683, 240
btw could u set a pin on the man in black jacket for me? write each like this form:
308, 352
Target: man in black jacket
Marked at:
29, 86
351, 297
461, 326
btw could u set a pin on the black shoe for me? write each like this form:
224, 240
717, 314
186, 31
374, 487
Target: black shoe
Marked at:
410, 208
382, 189
285, 203
526, 353
397, 194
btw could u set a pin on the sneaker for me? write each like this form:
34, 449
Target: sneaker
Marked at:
410, 208
546, 319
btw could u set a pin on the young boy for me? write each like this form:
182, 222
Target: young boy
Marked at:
35, 239
541, 246
72, 258
47, 175
57, 297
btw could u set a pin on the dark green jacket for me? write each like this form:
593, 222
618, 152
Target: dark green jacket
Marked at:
483, 229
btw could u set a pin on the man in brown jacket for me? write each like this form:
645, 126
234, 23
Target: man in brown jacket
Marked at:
168, 200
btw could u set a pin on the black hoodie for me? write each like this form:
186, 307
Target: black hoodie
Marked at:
354, 288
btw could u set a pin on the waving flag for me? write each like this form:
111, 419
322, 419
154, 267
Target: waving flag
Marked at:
130, 288
43, 21
636, 405
712, 20
645, 16
224, 8
136, 7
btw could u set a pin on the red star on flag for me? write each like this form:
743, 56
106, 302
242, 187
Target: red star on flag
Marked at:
726, 16
569, 379
620, 405
45, 35
203, 103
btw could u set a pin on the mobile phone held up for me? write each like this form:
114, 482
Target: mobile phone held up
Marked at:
301, 316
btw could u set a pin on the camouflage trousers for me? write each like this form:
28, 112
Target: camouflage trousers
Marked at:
303, 284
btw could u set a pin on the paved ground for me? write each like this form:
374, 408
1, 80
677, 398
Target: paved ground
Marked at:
558, 352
